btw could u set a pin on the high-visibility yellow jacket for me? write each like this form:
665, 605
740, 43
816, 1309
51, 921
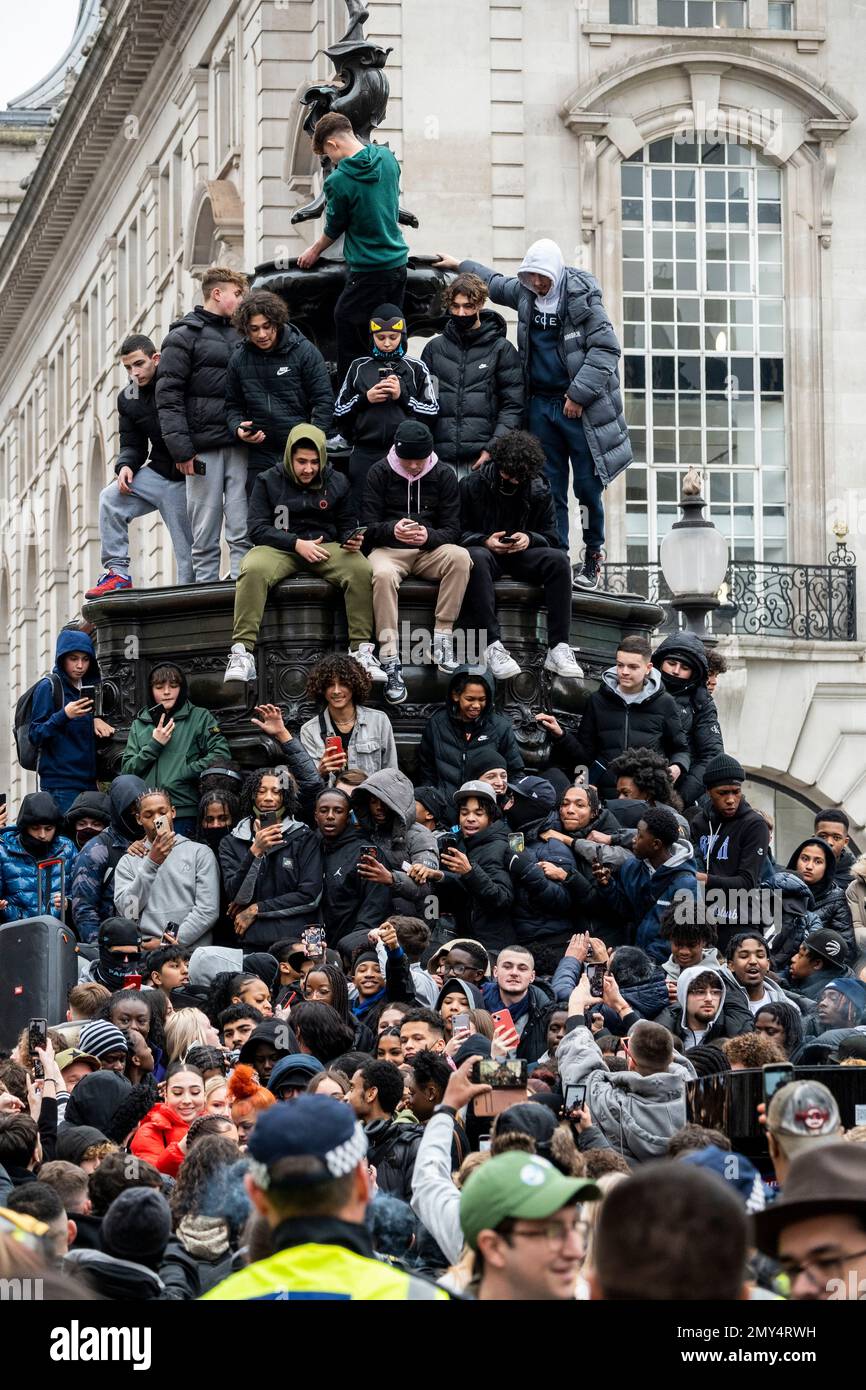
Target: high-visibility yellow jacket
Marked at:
315, 1271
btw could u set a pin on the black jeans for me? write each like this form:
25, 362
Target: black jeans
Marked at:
364, 291
538, 565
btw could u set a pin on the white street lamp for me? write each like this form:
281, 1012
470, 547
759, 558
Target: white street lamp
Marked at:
694, 558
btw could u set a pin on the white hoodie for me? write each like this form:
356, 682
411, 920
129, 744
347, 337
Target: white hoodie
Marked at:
544, 258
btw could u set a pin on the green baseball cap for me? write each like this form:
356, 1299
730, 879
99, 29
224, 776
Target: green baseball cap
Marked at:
517, 1185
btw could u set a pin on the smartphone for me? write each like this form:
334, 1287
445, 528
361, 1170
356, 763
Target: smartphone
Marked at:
160, 824
314, 940
266, 818
368, 852
88, 692
776, 1074
502, 1019
595, 975
251, 428
333, 744
358, 531
516, 842
575, 1098
385, 371
598, 858
506, 540
37, 1036
2, 801
199, 467
460, 1023
506, 1078
132, 982
156, 713
448, 842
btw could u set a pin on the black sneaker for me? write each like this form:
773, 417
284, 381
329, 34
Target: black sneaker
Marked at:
588, 575
395, 686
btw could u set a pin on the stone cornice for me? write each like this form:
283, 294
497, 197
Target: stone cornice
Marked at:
120, 64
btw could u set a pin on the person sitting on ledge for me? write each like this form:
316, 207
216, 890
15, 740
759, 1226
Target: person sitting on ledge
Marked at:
509, 528
298, 521
411, 516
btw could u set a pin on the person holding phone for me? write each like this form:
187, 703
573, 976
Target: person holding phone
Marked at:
384, 807
33, 838
346, 732
172, 741
63, 727
411, 510
177, 880
350, 902
271, 863
474, 883
275, 379
378, 393
509, 528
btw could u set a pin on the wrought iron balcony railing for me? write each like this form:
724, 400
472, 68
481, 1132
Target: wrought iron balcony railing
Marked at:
817, 603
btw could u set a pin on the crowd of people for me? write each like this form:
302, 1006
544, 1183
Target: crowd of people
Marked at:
342, 1034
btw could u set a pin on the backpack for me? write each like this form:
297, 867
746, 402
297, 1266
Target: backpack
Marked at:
28, 753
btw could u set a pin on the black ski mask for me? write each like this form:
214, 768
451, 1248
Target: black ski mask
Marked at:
114, 966
214, 838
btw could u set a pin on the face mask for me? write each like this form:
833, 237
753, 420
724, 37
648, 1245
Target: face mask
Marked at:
675, 685
214, 838
82, 836
38, 849
114, 969
464, 323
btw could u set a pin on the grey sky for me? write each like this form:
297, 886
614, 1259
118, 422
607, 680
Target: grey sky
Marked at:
35, 35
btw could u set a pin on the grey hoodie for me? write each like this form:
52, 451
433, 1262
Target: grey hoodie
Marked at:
651, 686
636, 1114
185, 889
405, 841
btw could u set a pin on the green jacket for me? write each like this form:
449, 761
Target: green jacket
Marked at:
363, 195
175, 768
339, 1269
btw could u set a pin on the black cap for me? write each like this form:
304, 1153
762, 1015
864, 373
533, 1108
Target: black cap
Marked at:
413, 440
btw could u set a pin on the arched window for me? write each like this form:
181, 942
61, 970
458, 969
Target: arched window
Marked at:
703, 341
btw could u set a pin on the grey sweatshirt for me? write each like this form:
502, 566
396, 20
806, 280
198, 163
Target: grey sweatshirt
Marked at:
184, 889
435, 1199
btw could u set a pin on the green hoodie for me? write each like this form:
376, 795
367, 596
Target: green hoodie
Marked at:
316, 437
176, 767
363, 194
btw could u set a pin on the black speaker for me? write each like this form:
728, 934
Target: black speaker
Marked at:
38, 967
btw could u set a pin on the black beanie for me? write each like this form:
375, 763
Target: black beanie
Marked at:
722, 769
137, 1226
413, 440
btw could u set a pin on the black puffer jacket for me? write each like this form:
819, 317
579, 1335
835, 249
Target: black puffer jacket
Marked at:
481, 902
448, 744
484, 509
610, 725
431, 500
281, 511
191, 383
697, 709
349, 903
798, 919
479, 380
141, 440
277, 390
285, 883
393, 1148
831, 905
372, 427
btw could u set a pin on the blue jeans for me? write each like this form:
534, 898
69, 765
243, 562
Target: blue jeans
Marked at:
563, 440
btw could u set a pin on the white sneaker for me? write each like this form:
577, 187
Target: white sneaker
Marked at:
560, 660
366, 657
336, 441
241, 664
443, 654
500, 663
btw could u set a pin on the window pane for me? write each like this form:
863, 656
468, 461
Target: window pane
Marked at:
663, 373
635, 373
635, 407
771, 376
672, 12
633, 275
684, 186
631, 178
633, 309
769, 184
667, 487
689, 373
687, 275
620, 12
633, 335
781, 15
660, 151
635, 485
730, 14
773, 484
700, 14
662, 183
663, 335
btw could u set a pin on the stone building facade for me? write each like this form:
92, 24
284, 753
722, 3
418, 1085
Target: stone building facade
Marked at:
702, 157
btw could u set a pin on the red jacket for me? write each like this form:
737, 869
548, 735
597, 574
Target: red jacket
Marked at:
158, 1137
